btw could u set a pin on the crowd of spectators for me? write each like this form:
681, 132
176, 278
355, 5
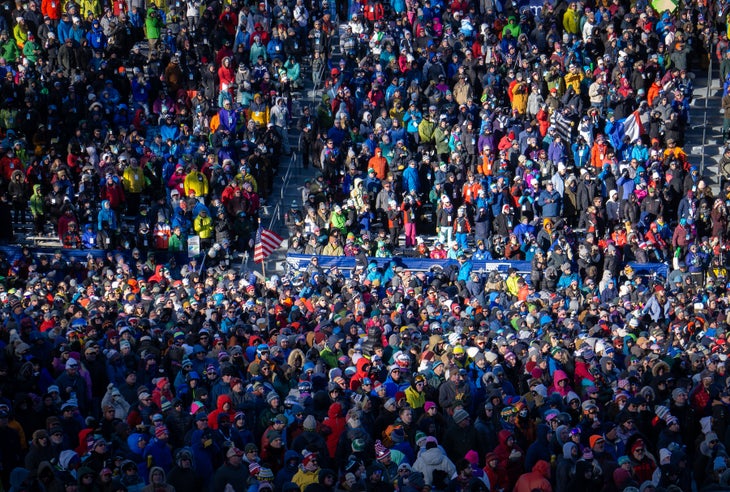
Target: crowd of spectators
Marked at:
550, 134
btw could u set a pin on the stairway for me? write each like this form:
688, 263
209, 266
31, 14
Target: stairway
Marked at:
289, 182
704, 141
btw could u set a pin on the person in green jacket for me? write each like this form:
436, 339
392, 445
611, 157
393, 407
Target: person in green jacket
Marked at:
512, 27
426, 127
31, 49
36, 209
153, 26
332, 351
177, 242
338, 219
8, 48
441, 139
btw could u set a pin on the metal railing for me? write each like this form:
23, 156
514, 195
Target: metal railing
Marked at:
276, 214
704, 122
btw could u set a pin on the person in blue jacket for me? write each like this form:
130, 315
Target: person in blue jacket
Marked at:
550, 201
96, 38
411, 183
204, 448
106, 214
63, 31
88, 239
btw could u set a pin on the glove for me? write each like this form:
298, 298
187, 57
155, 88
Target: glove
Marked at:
515, 455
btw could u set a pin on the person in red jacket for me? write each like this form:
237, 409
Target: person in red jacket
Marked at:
438, 252
374, 11
336, 422
9, 163
699, 397
511, 457
224, 404
162, 390
497, 476
64, 222
113, 191
537, 479
52, 9
229, 20
226, 74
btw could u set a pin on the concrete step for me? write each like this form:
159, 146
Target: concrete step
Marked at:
706, 122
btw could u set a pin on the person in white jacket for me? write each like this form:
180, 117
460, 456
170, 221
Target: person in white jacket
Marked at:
433, 458
113, 399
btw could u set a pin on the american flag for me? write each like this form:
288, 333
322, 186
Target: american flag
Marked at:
266, 243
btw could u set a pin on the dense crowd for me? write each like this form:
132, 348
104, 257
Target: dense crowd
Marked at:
550, 134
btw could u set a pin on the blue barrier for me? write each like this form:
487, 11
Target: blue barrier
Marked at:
14, 252
346, 263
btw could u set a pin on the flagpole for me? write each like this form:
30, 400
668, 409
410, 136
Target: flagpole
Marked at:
263, 260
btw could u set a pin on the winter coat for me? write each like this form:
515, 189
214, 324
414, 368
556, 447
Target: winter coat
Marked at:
537, 479
459, 440
336, 422
508, 461
433, 459
227, 474
540, 449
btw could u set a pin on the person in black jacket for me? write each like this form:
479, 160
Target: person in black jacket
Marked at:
231, 473
10, 450
183, 476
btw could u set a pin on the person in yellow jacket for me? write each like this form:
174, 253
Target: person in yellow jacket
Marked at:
415, 395
90, 7
133, 181
203, 226
520, 93
512, 280
427, 126
573, 78
133, 178
246, 177
196, 184
20, 32
308, 471
571, 19
259, 111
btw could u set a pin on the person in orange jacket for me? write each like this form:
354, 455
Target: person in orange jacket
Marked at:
470, 190
379, 164
599, 152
